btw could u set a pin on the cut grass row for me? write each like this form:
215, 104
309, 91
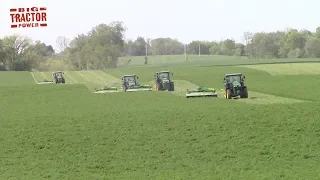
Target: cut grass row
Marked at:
96, 79
92, 79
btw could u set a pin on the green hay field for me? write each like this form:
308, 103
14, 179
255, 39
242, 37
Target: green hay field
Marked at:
204, 60
288, 69
65, 131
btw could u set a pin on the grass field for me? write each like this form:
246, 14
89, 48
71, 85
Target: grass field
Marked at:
67, 132
205, 60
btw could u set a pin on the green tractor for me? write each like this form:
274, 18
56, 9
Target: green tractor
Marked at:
58, 77
163, 81
130, 84
234, 86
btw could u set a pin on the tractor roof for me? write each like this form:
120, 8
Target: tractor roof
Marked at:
163, 72
234, 74
129, 75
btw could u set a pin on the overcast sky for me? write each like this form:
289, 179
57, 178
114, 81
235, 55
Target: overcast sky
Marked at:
185, 20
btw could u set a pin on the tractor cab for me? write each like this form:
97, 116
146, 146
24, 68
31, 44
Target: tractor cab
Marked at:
58, 74
130, 84
130, 81
234, 86
58, 77
163, 81
236, 79
163, 75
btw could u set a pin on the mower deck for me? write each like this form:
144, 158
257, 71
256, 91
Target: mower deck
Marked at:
106, 91
139, 89
201, 94
46, 82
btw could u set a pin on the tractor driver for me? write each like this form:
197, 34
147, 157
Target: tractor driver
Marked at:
234, 78
129, 79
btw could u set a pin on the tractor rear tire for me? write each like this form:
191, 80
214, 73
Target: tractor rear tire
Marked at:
171, 87
229, 94
124, 88
245, 93
158, 87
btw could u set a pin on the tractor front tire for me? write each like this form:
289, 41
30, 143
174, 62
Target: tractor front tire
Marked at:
229, 94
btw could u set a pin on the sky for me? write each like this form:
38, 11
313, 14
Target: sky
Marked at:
185, 20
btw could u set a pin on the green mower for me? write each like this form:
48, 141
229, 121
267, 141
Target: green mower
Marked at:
130, 84
163, 81
106, 89
46, 82
234, 86
202, 92
58, 77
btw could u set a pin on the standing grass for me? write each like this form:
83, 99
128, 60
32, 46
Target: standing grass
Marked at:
288, 69
10, 78
204, 60
66, 132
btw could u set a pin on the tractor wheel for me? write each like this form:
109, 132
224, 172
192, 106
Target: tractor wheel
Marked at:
172, 87
158, 87
124, 88
229, 94
242, 93
245, 93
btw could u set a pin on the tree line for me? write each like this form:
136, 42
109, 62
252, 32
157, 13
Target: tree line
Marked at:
102, 46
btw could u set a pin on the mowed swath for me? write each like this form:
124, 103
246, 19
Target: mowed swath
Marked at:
261, 98
181, 87
97, 79
288, 69
89, 78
